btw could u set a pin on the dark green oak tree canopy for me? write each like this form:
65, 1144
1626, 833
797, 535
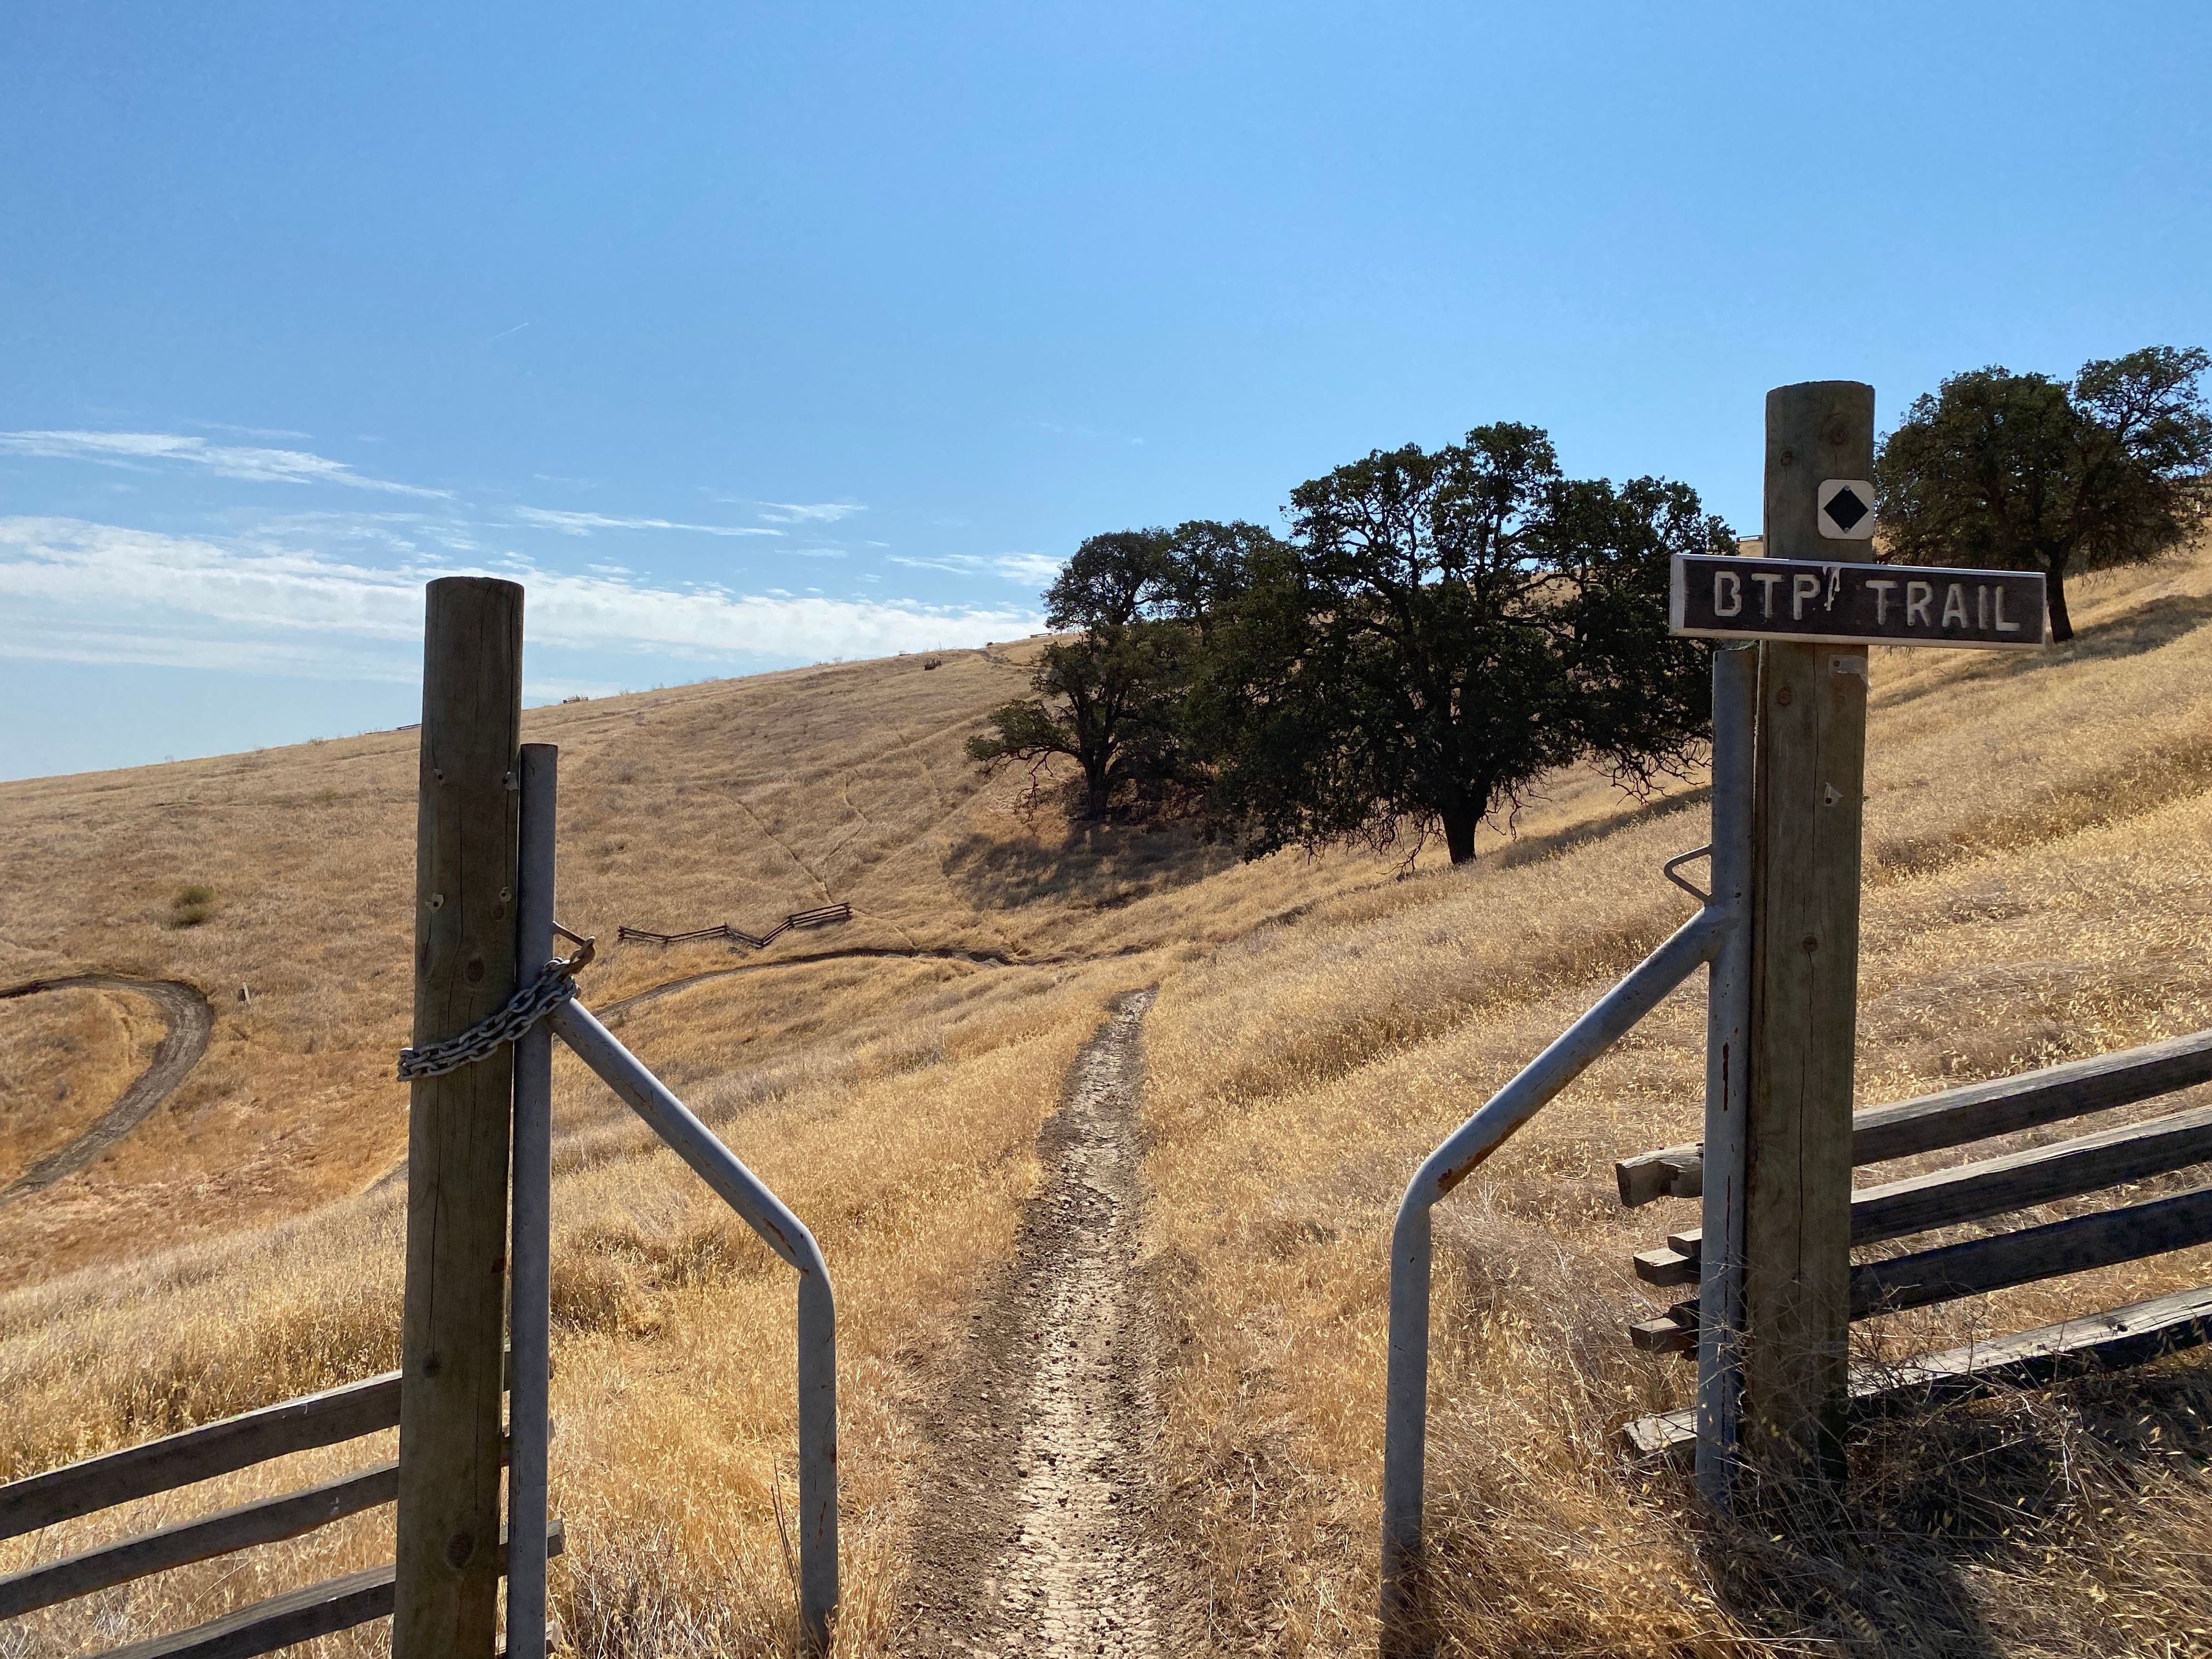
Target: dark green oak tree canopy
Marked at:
1438, 630
1441, 629
2025, 472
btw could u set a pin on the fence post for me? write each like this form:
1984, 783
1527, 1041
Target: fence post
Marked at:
1804, 895
451, 1329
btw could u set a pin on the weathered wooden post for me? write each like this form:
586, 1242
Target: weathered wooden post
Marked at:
452, 1330
1816, 602
1805, 886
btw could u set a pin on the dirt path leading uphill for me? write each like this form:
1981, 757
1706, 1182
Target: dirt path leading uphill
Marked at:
192, 1022
1035, 1536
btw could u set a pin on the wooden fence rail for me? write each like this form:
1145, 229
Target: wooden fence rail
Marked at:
2114, 1341
328, 1418
820, 916
266, 1521
300, 1615
1975, 1111
1998, 1262
200, 1454
1977, 1191
1974, 1192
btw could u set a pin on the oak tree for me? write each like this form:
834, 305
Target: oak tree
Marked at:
1138, 602
1441, 629
2026, 472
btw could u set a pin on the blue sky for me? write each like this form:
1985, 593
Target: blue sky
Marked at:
748, 336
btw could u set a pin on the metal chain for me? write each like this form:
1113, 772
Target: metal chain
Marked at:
555, 984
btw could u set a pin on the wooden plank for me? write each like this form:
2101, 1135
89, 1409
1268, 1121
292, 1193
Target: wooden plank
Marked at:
283, 1621
212, 1449
2004, 1259
2125, 1337
263, 1522
1665, 1266
1670, 1172
1974, 1111
453, 1316
1674, 1331
1805, 932
1974, 1192
1979, 1110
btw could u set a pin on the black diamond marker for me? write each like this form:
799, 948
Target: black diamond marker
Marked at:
1846, 508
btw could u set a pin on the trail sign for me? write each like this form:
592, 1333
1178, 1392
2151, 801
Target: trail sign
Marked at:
1816, 602
1845, 510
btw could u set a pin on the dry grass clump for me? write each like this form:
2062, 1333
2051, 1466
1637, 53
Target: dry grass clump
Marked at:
190, 906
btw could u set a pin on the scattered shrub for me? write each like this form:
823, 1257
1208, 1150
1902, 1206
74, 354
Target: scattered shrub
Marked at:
191, 906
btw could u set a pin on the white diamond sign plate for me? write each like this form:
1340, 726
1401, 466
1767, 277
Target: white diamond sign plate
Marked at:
1846, 509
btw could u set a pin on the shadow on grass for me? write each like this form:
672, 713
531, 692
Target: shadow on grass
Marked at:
1535, 848
1100, 865
2158, 622
2009, 1484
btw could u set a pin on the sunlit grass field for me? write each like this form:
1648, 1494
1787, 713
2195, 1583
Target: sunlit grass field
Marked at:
2040, 886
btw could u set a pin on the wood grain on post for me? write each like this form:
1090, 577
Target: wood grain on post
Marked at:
1811, 768
452, 1331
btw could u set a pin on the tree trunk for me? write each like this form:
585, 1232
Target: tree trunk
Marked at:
2062, 627
1098, 790
1458, 832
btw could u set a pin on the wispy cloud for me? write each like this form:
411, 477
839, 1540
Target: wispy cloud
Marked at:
1014, 566
583, 524
94, 592
146, 449
808, 511
248, 431
1026, 566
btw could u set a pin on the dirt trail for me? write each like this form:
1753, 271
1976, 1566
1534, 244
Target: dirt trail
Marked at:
1036, 1536
192, 1022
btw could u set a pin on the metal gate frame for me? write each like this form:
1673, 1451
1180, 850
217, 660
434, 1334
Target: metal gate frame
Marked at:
530, 1314
1719, 934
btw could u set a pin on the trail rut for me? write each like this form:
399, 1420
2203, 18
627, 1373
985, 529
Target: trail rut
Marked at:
192, 1022
1036, 1538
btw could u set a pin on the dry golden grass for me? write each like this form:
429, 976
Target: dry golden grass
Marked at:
737, 801
2040, 847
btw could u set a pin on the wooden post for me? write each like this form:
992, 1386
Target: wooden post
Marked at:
1811, 765
452, 1331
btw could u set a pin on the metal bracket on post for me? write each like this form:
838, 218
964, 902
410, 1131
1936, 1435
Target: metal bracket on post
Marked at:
1707, 936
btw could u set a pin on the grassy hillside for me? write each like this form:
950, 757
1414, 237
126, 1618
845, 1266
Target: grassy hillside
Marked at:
2040, 850
735, 801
